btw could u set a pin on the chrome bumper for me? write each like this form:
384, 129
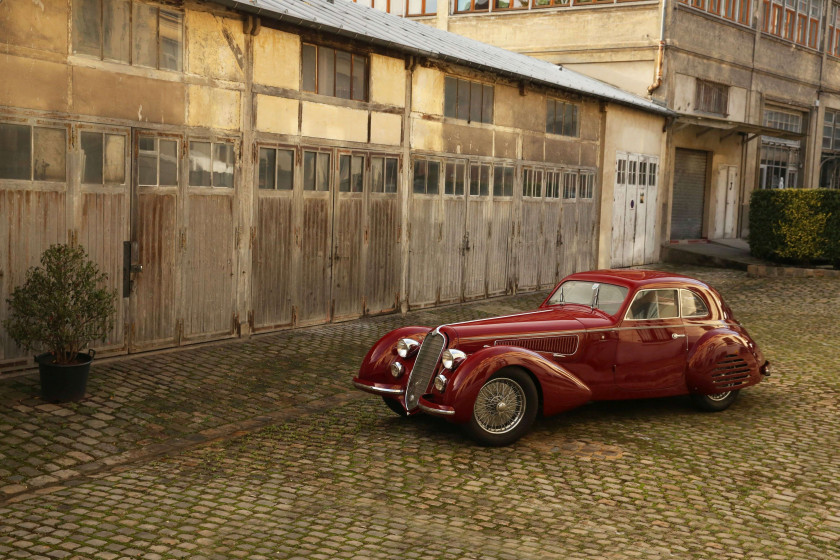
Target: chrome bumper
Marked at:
378, 389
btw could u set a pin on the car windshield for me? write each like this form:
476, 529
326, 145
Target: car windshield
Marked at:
606, 297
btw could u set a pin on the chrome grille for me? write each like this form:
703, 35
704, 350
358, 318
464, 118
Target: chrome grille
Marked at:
731, 372
557, 344
424, 368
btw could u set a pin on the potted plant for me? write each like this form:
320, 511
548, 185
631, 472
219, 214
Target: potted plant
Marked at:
61, 308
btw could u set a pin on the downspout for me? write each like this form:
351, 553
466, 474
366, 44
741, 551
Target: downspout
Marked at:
660, 53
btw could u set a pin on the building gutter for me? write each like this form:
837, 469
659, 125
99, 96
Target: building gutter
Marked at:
660, 53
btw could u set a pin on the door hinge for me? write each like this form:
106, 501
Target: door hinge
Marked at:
183, 238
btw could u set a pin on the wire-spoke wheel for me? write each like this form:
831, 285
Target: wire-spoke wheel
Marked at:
715, 402
505, 408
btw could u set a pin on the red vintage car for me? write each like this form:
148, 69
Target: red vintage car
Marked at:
601, 335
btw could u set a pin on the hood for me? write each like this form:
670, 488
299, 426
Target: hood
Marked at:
533, 324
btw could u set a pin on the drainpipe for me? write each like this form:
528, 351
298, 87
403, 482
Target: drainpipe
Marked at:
660, 53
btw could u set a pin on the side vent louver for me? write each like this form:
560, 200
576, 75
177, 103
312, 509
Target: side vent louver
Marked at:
731, 372
566, 345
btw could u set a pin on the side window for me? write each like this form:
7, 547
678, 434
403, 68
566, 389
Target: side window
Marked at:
654, 304
693, 305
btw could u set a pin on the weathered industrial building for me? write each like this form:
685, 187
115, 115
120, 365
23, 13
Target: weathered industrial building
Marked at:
239, 167
756, 86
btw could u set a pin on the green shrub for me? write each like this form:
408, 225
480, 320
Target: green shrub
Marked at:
799, 226
62, 306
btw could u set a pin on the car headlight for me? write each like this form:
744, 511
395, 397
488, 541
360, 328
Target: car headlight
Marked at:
440, 382
397, 370
451, 358
407, 347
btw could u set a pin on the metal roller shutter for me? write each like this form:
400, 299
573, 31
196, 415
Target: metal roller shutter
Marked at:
689, 189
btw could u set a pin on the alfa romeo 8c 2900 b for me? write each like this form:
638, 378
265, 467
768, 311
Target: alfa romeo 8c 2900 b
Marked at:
601, 335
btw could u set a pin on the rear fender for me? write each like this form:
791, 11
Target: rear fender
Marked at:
560, 389
376, 366
721, 359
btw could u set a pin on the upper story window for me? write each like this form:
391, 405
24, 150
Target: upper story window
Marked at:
130, 32
396, 7
511, 4
831, 130
467, 100
334, 72
783, 120
833, 43
561, 118
472, 5
421, 7
32, 153
794, 20
739, 11
711, 97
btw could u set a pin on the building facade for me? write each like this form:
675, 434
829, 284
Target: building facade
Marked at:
755, 84
237, 170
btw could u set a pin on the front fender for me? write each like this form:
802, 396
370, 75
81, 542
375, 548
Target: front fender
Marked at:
721, 360
376, 366
560, 389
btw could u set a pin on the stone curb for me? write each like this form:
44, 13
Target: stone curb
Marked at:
176, 445
768, 271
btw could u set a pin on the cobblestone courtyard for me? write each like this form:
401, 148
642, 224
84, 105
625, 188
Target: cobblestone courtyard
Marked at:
260, 449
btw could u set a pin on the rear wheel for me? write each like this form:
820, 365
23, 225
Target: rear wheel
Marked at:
715, 402
395, 405
504, 409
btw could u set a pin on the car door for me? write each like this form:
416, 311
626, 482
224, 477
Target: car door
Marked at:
651, 350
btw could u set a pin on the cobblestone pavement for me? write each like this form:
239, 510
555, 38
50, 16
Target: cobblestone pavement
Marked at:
258, 449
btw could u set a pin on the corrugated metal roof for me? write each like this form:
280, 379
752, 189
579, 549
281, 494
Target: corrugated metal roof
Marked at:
347, 18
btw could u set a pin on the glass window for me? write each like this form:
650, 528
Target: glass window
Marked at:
147, 161
114, 159
15, 151
316, 171
561, 118
333, 72
49, 147
168, 162
285, 169
569, 185
200, 164
426, 176
211, 164
350, 173
144, 35
87, 27
223, 162
422, 7
267, 169
692, 305
171, 39
308, 68
654, 304
28, 153
467, 100
93, 158
157, 162
454, 178
115, 31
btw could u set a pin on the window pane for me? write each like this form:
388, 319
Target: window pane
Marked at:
377, 174
391, 175
168, 163
223, 165
285, 169
86, 27
485, 180
171, 30
326, 71
359, 78
357, 174
309, 171
419, 177
92, 151
508, 181
115, 30
115, 159
268, 161
460, 178
15, 151
342, 74
308, 68
475, 102
463, 5
147, 161
49, 148
449, 179
322, 179
692, 304
200, 164
463, 108
570, 120
475, 179
481, 5
549, 116
450, 96
487, 105
145, 35
434, 178
498, 180
431, 6
344, 173
415, 7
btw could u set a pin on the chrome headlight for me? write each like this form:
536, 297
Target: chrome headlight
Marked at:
397, 370
451, 358
440, 382
407, 347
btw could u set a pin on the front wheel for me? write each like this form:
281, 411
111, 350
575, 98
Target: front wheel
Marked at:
504, 409
715, 402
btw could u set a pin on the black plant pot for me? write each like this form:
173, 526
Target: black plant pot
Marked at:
64, 382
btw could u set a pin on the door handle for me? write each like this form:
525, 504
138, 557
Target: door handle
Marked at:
676, 336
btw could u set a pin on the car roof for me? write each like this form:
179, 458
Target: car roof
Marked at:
635, 278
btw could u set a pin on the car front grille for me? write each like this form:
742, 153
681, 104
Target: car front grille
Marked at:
424, 368
731, 373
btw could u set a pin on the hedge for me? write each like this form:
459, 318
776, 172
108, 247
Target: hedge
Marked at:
798, 226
